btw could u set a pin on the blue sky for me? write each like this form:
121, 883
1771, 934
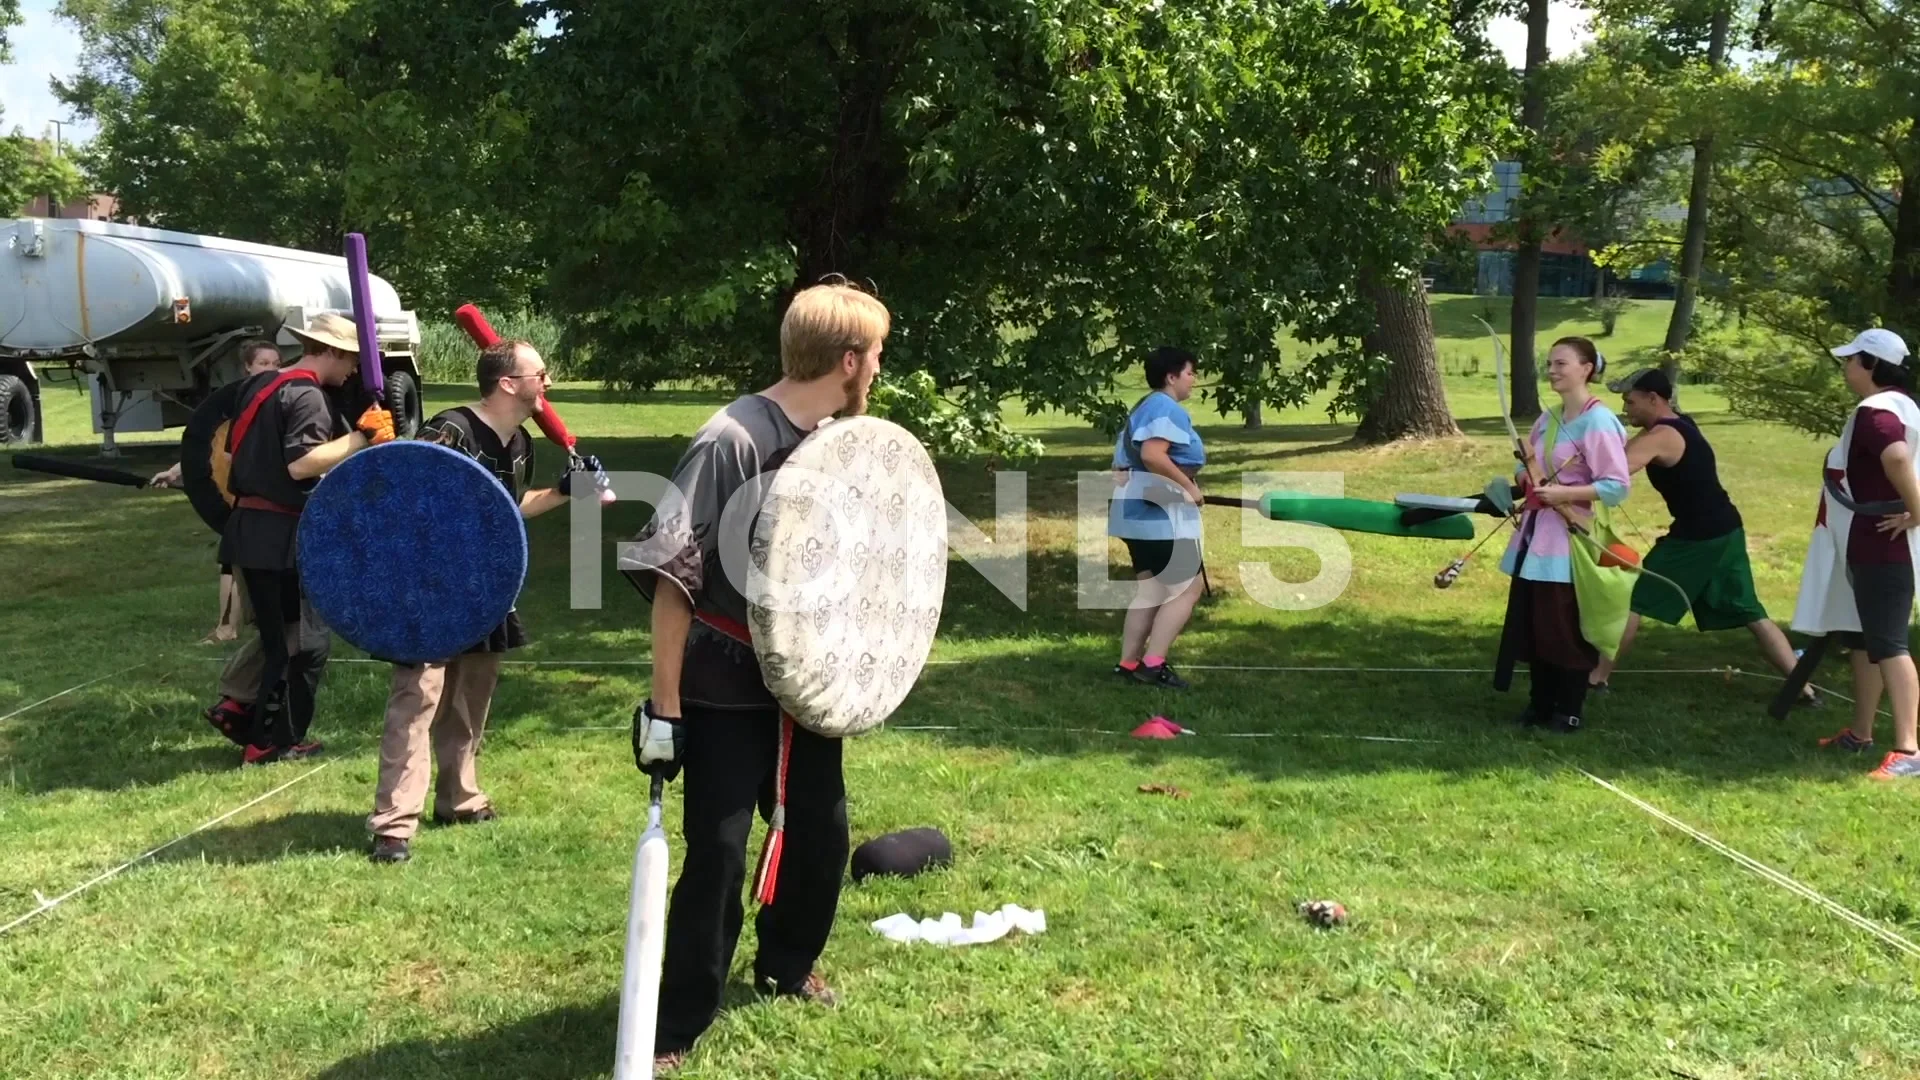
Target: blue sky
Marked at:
43, 47
46, 46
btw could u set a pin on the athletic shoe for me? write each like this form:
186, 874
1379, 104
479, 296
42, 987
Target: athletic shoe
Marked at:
1810, 700
1564, 724
1126, 672
1597, 689
1161, 676
231, 718
1847, 740
814, 990
1897, 766
669, 1062
466, 817
267, 755
389, 849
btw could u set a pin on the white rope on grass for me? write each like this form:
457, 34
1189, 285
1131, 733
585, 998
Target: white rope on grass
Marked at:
47, 905
1202, 734
71, 689
1329, 669
1095, 731
1765, 871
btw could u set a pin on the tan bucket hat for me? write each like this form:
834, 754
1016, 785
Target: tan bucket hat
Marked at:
331, 331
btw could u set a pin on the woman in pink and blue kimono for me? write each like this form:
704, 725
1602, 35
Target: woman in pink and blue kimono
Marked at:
1587, 462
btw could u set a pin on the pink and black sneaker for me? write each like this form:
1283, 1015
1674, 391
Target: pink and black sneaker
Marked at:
1846, 740
231, 718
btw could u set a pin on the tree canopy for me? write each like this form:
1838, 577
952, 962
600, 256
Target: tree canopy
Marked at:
1038, 189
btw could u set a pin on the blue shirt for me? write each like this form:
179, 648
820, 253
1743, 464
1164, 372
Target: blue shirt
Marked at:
1130, 514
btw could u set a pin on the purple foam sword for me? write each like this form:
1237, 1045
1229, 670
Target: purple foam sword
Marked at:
372, 372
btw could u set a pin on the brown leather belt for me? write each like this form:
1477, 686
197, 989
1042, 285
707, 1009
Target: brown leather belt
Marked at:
254, 502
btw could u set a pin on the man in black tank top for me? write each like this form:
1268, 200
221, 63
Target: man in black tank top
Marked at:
1705, 550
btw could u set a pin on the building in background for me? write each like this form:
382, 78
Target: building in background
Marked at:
1566, 262
97, 207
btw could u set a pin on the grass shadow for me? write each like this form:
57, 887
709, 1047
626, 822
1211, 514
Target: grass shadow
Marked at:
561, 1044
306, 832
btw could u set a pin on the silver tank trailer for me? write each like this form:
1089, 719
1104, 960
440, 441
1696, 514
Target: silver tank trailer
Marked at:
154, 316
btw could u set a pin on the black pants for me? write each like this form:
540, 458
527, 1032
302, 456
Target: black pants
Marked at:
294, 644
729, 761
1883, 596
1554, 689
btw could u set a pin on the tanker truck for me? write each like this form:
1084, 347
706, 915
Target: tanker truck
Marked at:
149, 321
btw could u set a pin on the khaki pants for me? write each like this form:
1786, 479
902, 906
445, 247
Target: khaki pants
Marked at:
445, 705
240, 679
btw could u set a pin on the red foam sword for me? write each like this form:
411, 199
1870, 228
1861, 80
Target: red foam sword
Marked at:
483, 334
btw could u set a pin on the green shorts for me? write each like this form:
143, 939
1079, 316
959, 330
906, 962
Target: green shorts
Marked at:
1714, 573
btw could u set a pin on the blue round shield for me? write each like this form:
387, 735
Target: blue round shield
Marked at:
412, 551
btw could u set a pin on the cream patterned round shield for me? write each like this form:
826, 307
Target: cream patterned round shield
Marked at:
849, 562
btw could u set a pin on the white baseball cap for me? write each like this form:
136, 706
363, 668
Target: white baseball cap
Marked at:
1877, 342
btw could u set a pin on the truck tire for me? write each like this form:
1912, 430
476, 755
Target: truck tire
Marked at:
16, 411
403, 401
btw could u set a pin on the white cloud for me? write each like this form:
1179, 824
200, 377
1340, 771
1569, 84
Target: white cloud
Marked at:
44, 46
1568, 28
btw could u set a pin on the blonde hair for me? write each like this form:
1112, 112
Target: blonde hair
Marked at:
824, 323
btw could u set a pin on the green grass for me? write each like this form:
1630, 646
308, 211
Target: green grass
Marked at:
1509, 917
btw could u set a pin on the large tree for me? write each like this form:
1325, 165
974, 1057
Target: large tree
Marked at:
1038, 189
1398, 387
1813, 237
1529, 228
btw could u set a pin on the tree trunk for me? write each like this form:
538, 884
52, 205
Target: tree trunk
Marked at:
1521, 328
1526, 258
1414, 405
1903, 276
1250, 412
1693, 249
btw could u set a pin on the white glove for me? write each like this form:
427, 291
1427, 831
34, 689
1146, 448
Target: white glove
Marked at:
657, 741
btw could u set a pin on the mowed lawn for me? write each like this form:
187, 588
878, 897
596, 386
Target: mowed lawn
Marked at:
1510, 917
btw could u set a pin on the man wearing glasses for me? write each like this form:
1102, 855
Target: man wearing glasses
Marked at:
439, 710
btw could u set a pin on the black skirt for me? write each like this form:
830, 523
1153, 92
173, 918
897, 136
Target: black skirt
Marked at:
1543, 624
503, 638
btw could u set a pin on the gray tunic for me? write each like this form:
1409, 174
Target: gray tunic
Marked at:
685, 536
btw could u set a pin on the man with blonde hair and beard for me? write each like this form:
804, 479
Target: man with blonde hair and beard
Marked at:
704, 670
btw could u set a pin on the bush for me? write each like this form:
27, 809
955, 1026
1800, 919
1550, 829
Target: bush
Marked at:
970, 428
447, 353
1766, 378
1608, 310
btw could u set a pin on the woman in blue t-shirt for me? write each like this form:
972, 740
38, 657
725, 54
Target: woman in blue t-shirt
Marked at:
1156, 511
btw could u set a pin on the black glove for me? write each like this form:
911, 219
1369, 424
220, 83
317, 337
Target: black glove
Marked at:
657, 742
577, 464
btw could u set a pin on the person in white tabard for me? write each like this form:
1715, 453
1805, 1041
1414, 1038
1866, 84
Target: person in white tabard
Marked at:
1858, 584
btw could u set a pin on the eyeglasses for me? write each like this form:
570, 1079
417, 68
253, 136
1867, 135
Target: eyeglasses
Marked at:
544, 376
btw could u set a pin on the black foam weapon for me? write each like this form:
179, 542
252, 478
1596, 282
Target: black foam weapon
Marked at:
78, 470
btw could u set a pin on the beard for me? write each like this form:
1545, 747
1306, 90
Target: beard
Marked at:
856, 397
